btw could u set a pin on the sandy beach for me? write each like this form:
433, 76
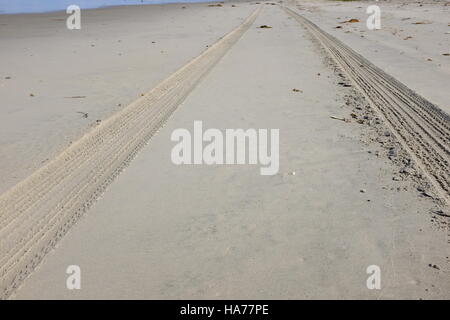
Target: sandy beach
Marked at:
86, 137
124, 52
412, 44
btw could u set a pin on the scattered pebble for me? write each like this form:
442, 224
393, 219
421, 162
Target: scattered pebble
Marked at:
350, 21
440, 213
392, 152
434, 266
425, 194
405, 171
338, 118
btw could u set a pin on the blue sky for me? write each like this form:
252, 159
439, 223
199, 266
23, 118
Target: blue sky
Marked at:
18, 6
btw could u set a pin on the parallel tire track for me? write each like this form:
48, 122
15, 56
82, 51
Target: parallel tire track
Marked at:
37, 212
421, 127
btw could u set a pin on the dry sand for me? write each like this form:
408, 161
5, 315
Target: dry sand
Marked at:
211, 232
401, 47
120, 53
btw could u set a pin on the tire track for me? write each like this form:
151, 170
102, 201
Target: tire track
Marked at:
420, 126
37, 212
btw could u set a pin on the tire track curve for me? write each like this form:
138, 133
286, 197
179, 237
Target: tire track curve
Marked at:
421, 127
36, 213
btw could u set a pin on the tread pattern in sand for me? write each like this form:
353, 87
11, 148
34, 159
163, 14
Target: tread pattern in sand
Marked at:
37, 212
421, 127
